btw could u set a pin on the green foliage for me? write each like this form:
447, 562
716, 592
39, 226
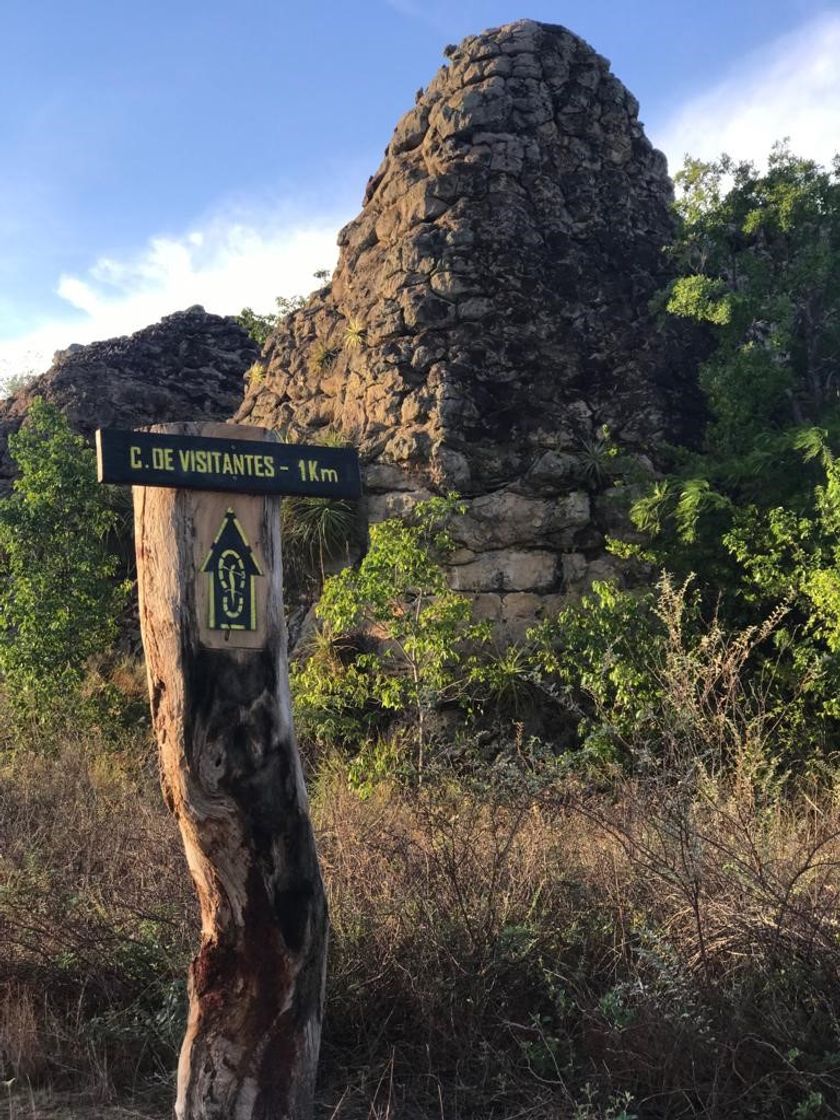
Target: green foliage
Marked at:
701, 298
794, 557
58, 598
601, 655
380, 759
391, 635
260, 327
617, 1106
755, 513
760, 263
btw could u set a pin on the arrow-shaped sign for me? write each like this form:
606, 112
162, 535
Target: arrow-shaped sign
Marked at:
232, 566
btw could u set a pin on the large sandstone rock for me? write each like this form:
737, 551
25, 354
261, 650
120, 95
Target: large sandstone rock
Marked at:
489, 313
189, 366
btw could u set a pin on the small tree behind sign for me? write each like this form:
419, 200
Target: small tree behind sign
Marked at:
211, 613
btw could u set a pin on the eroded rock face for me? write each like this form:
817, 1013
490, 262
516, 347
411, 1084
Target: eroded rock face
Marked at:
189, 366
489, 313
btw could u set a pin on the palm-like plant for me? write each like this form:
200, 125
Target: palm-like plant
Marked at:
316, 530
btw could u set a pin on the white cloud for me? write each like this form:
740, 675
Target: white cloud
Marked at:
789, 88
226, 263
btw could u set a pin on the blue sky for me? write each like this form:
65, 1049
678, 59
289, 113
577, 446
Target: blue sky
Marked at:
163, 154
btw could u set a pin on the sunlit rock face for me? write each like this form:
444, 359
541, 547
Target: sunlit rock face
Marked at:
489, 315
189, 366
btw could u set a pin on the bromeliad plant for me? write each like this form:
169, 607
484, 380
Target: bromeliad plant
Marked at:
355, 332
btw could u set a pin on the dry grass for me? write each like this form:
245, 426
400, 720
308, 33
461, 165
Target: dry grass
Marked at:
95, 916
684, 950
32, 1105
535, 955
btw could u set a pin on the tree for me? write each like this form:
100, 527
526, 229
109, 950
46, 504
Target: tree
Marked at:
58, 597
755, 513
760, 263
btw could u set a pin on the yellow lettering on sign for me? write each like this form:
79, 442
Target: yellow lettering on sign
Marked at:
269, 466
162, 459
135, 459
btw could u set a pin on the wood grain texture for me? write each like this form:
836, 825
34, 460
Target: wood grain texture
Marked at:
232, 776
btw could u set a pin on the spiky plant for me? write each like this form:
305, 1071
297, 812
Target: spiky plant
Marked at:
316, 530
354, 335
255, 374
321, 356
597, 454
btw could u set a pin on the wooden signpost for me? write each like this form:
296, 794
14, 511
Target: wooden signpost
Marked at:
207, 535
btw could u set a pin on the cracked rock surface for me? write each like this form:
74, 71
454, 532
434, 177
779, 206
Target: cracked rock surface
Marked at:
490, 314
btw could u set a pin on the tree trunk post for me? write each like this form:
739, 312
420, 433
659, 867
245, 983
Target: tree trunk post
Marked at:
231, 775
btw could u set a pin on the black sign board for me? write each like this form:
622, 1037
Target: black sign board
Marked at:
240, 465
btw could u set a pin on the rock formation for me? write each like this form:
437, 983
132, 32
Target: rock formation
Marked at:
489, 315
189, 366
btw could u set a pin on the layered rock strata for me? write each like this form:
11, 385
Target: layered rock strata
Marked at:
489, 315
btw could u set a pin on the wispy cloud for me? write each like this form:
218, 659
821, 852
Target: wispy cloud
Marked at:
790, 88
225, 263
247, 257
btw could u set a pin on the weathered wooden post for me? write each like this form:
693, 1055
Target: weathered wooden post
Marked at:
207, 535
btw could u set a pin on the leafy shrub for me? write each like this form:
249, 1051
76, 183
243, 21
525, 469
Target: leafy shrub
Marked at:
599, 657
391, 638
260, 327
58, 595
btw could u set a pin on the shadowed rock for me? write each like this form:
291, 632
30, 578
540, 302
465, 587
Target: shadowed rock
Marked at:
189, 366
